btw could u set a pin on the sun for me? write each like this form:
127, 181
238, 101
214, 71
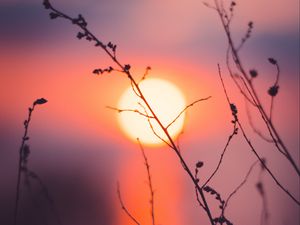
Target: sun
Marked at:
166, 100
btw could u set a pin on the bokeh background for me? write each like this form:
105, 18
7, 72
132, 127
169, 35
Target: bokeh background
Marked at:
77, 146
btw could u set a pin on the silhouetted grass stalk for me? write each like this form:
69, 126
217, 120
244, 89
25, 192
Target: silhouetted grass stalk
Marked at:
124, 207
250, 93
147, 165
110, 50
29, 174
252, 147
234, 132
23, 153
238, 187
264, 218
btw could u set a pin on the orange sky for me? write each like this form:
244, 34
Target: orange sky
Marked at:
182, 42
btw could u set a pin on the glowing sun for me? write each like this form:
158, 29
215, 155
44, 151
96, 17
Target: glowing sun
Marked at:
166, 100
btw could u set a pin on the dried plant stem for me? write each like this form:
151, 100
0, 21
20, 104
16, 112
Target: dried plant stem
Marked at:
256, 130
188, 106
130, 110
251, 94
253, 149
149, 182
24, 139
126, 70
174, 147
266, 167
196, 190
44, 191
264, 218
124, 207
22, 154
239, 186
234, 132
272, 97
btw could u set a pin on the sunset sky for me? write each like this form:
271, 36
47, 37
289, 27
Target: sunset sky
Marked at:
77, 145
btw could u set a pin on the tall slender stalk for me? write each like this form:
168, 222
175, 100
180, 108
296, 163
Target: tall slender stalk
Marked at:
150, 184
110, 50
252, 147
124, 207
22, 153
250, 93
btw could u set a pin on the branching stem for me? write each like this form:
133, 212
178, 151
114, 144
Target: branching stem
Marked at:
252, 95
124, 207
126, 71
150, 184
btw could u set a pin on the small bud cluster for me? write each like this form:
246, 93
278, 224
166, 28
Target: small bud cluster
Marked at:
40, 101
222, 220
234, 112
199, 164
260, 188
102, 71
127, 68
232, 5
112, 46
53, 15
273, 90
80, 21
25, 150
210, 190
253, 73
272, 61
248, 33
46, 4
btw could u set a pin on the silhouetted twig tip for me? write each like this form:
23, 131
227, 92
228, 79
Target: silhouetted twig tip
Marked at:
40, 101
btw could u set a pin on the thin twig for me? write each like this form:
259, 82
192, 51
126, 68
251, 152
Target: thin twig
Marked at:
22, 154
134, 89
261, 190
253, 149
34, 201
256, 130
239, 186
234, 132
81, 23
130, 110
279, 144
149, 182
44, 190
275, 85
196, 190
152, 127
188, 106
148, 68
266, 167
24, 139
124, 207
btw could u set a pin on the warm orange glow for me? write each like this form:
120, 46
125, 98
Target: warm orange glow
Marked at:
167, 102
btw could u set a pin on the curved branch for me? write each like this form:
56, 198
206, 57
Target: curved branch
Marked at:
124, 207
130, 110
149, 182
188, 106
239, 186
